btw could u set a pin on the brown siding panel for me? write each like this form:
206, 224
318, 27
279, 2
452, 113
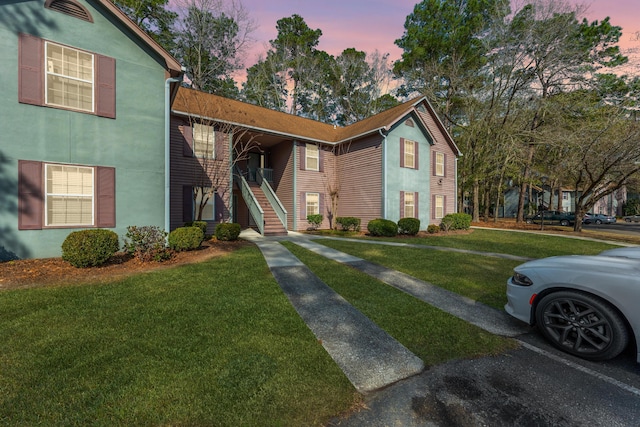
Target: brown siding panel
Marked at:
359, 169
105, 197
30, 195
31, 70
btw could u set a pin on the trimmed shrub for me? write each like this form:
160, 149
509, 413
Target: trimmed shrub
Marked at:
432, 229
147, 243
185, 238
456, 221
202, 225
227, 231
382, 227
409, 226
348, 223
314, 221
89, 248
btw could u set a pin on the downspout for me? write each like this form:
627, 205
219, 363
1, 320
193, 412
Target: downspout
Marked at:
295, 186
384, 173
167, 148
455, 183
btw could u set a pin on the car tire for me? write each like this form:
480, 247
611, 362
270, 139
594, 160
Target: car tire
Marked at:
529, 221
564, 222
598, 221
627, 220
582, 325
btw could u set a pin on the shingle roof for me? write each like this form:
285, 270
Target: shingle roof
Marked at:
213, 107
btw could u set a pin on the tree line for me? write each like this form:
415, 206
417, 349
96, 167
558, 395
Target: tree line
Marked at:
532, 95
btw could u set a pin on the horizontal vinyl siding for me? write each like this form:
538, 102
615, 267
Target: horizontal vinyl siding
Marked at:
314, 182
448, 186
359, 167
186, 171
281, 161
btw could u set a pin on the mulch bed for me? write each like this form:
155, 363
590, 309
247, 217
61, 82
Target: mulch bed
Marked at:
53, 271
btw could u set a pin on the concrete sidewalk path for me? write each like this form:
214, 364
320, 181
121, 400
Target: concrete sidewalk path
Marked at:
488, 318
367, 355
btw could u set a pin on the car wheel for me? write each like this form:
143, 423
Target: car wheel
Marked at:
627, 220
529, 221
598, 221
564, 222
582, 325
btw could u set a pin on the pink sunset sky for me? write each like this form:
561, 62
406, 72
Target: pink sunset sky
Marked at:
368, 25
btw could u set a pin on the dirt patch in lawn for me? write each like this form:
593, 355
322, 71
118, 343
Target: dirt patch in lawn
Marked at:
55, 271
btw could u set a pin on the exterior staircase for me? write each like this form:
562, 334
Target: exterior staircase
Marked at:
272, 224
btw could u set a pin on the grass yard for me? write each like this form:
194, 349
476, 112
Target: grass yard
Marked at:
530, 245
478, 277
214, 343
430, 333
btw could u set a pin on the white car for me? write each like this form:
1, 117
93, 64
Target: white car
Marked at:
588, 306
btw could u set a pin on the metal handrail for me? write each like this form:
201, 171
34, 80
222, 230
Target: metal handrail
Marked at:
277, 206
250, 199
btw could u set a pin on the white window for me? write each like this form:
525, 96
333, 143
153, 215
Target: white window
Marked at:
69, 77
208, 210
565, 195
439, 164
68, 195
439, 207
203, 141
409, 154
312, 158
409, 205
313, 203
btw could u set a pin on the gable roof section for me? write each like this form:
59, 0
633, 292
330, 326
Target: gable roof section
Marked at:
213, 107
172, 66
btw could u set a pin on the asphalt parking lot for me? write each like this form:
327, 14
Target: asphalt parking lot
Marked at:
532, 386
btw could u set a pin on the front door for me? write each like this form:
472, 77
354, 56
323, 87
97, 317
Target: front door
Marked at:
253, 164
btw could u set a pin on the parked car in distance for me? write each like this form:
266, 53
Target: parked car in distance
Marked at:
631, 218
584, 305
598, 219
552, 217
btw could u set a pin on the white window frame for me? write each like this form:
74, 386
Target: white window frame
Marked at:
50, 194
409, 154
312, 152
409, 204
314, 207
565, 195
439, 163
204, 141
209, 206
64, 76
439, 206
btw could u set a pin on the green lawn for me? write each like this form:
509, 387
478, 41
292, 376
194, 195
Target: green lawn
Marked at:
430, 333
215, 343
530, 245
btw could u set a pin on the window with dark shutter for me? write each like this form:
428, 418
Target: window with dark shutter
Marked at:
187, 147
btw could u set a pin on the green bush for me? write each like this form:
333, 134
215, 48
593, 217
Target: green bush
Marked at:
456, 221
314, 221
227, 231
89, 248
348, 223
432, 229
185, 238
147, 243
202, 225
409, 226
382, 227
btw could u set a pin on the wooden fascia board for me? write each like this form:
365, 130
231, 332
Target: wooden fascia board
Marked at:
253, 128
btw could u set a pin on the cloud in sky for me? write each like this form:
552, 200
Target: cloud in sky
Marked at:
368, 25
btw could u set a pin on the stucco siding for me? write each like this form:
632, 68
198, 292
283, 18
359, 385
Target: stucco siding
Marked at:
132, 143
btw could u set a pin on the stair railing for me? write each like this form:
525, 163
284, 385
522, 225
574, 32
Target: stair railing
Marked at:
250, 199
272, 198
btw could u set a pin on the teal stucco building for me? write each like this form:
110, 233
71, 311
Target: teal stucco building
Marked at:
83, 119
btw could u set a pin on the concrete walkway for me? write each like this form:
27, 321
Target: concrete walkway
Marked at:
368, 356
